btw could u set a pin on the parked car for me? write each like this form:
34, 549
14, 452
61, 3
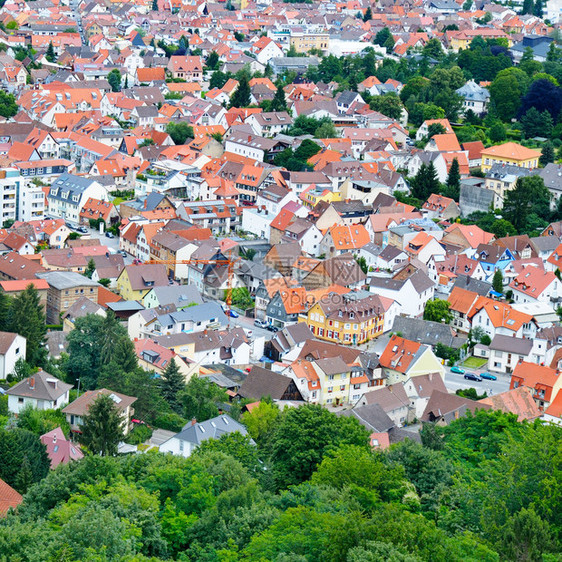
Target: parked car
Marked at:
260, 323
488, 376
472, 377
249, 333
82, 229
233, 314
109, 234
457, 370
123, 253
272, 328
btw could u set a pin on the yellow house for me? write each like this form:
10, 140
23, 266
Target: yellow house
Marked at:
343, 319
304, 42
312, 196
462, 39
324, 381
510, 153
403, 359
135, 281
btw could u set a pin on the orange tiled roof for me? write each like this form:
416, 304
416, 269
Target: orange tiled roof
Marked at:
399, 353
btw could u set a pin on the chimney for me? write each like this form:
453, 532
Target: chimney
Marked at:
32, 383
193, 421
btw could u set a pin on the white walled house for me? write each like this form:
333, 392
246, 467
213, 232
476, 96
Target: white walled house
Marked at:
193, 434
42, 391
68, 195
12, 348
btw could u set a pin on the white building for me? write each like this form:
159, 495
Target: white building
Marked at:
193, 434
41, 390
68, 195
12, 348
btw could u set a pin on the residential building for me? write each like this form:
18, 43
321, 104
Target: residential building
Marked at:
135, 281
194, 433
12, 348
41, 391
543, 382
510, 153
78, 409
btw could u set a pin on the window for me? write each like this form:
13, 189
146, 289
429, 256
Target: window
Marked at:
20, 400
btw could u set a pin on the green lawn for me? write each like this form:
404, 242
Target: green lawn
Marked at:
474, 362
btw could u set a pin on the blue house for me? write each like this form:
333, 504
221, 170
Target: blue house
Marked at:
492, 258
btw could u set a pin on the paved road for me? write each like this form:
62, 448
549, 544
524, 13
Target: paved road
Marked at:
454, 381
248, 324
111, 243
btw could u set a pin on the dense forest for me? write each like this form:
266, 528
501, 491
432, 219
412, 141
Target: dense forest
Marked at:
307, 488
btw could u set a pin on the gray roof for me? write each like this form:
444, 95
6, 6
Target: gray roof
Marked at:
472, 91
82, 307
426, 332
71, 186
482, 288
214, 428
372, 416
61, 280
262, 382
521, 346
198, 313
180, 295
552, 176
41, 386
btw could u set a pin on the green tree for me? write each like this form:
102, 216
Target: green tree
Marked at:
382, 36
302, 438
535, 123
114, 79
497, 282
547, 154
241, 298
22, 450
212, 61
179, 132
27, 318
498, 132
506, 91
154, 5
50, 54
438, 311
435, 129
368, 14
261, 421
201, 399
278, 103
242, 95
5, 303
90, 268
102, 428
172, 384
387, 104
454, 180
527, 202
425, 182
527, 7
218, 79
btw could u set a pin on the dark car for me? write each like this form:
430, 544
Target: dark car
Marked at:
472, 377
233, 314
109, 235
273, 329
82, 229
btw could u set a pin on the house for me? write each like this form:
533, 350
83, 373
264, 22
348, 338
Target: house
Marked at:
349, 319
182, 296
77, 410
466, 236
505, 352
403, 359
41, 390
155, 357
475, 97
496, 317
518, 401
261, 383
65, 288
440, 207
59, 449
14, 267
9, 498
342, 239
423, 131
510, 153
419, 390
425, 247
427, 332
543, 382
270, 123
81, 308
411, 294
461, 302
194, 433
135, 281
12, 348
534, 284
287, 343
69, 194
188, 68
443, 408
393, 400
